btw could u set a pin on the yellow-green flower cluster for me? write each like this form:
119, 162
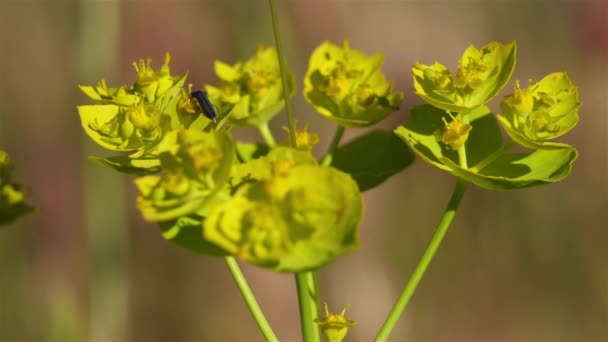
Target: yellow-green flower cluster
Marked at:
542, 111
281, 210
134, 118
252, 89
481, 75
194, 168
288, 214
458, 133
347, 86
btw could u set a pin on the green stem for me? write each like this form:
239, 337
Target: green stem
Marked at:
305, 281
309, 305
254, 308
492, 157
267, 135
328, 158
462, 157
426, 259
277, 38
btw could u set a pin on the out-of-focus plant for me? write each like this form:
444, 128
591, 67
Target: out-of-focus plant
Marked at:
277, 206
12, 197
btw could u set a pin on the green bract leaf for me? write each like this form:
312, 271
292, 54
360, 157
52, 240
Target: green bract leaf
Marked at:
491, 166
124, 128
251, 89
347, 86
12, 198
520, 170
249, 151
122, 96
481, 75
195, 167
187, 232
132, 166
373, 158
543, 111
297, 220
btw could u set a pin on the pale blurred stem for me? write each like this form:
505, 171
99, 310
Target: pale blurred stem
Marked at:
305, 281
427, 257
462, 157
492, 157
308, 300
267, 135
328, 158
277, 38
252, 304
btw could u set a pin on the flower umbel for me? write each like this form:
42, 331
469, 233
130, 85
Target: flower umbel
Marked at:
290, 218
195, 166
346, 86
481, 75
252, 88
541, 112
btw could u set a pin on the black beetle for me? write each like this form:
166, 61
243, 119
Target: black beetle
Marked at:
205, 104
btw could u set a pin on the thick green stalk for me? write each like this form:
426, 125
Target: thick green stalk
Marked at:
252, 304
305, 281
309, 305
426, 259
277, 38
328, 158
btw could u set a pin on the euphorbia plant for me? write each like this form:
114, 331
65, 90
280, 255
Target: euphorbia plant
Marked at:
277, 206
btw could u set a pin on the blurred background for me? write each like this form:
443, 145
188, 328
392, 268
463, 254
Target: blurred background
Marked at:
525, 265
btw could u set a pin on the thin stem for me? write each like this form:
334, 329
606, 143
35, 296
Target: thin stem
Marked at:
305, 281
267, 135
492, 157
328, 158
254, 308
426, 259
462, 157
277, 38
309, 305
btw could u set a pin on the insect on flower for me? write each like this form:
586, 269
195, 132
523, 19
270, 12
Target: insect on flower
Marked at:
206, 105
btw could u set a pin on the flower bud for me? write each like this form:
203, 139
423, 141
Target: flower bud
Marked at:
454, 134
521, 101
335, 326
143, 117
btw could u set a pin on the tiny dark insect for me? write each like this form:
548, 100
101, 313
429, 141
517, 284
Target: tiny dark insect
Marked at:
206, 105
